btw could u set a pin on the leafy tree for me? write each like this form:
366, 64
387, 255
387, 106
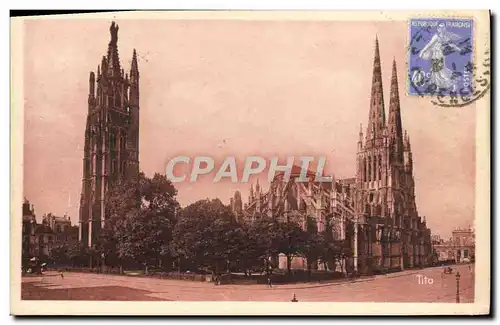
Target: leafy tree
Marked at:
211, 209
142, 217
329, 249
161, 208
207, 236
313, 243
341, 250
59, 254
78, 254
123, 196
255, 246
288, 237
67, 236
131, 235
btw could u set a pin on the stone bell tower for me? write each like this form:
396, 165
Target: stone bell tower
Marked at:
111, 142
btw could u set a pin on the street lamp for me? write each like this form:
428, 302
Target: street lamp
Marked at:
457, 276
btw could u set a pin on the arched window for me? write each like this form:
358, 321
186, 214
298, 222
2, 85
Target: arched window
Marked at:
113, 141
369, 169
118, 101
363, 174
123, 140
94, 162
379, 167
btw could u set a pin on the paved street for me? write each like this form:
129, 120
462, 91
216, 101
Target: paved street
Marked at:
428, 285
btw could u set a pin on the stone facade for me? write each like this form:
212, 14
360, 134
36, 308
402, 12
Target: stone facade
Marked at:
460, 248
37, 238
111, 149
28, 231
374, 211
57, 224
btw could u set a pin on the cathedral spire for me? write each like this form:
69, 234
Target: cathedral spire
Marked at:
134, 69
376, 120
394, 123
91, 85
113, 60
251, 196
134, 82
360, 141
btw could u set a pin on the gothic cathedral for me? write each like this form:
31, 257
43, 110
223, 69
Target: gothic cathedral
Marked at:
111, 150
385, 185
374, 212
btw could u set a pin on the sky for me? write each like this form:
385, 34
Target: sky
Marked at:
237, 88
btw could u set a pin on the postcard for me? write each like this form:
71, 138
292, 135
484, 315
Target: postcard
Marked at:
251, 163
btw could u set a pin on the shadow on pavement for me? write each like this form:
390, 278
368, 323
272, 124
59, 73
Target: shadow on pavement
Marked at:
30, 291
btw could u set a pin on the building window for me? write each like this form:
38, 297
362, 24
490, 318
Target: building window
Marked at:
379, 167
364, 170
466, 253
369, 169
123, 141
113, 141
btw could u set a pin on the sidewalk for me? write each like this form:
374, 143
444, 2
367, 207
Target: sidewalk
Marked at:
361, 279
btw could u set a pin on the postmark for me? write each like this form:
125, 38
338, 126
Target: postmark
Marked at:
440, 62
479, 75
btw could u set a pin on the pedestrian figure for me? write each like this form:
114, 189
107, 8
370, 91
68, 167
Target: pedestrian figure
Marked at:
269, 282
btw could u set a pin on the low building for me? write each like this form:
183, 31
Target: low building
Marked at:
44, 240
28, 230
39, 238
57, 224
460, 248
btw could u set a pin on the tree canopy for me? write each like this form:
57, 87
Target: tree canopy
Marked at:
146, 226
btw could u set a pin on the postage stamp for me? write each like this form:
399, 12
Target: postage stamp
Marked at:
441, 57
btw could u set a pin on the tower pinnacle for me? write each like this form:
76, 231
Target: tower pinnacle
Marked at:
113, 29
134, 68
113, 59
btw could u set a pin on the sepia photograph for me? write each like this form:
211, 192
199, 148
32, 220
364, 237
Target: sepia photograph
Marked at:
251, 159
